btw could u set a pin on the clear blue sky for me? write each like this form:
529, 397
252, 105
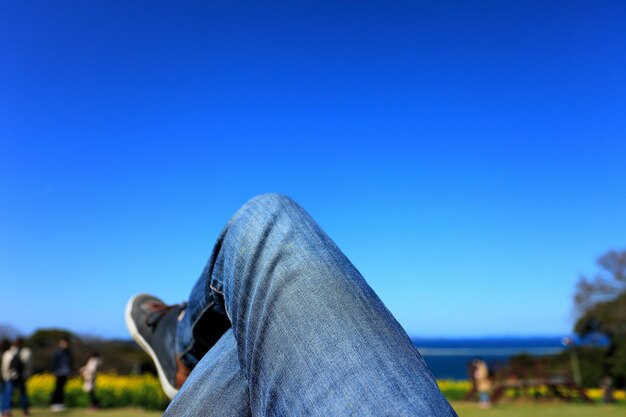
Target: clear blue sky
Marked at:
468, 158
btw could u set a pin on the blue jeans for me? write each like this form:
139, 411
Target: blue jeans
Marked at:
308, 336
483, 397
9, 387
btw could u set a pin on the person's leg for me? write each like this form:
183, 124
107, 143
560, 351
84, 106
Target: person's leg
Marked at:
93, 399
216, 387
202, 323
58, 394
483, 399
62, 390
53, 397
55, 392
8, 396
312, 337
24, 403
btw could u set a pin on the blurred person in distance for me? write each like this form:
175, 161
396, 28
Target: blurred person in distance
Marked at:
61, 367
17, 367
5, 344
89, 373
483, 383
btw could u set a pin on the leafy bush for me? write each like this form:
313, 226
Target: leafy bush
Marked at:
454, 390
111, 390
145, 391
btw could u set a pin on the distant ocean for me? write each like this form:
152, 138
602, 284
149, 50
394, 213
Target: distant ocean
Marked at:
448, 358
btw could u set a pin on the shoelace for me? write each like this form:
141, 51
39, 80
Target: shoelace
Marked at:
159, 311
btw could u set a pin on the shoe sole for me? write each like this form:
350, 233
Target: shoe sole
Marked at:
169, 390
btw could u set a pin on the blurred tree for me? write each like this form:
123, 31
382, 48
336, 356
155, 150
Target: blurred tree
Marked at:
120, 356
48, 338
524, 366
44, 342
8, 332
601, 308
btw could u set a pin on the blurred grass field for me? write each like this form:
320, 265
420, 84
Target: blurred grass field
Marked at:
83, 412
129, 396
464, 409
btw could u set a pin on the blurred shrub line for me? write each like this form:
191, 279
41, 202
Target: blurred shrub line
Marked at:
111, 390
145, 391
455, 390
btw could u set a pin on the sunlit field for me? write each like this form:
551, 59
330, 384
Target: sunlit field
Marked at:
121, 392
118, 412
465, 409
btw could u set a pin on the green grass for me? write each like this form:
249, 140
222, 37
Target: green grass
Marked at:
540, 410
464, 409
83, 412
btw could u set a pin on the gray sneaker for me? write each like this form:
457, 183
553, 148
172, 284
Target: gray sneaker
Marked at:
152, 324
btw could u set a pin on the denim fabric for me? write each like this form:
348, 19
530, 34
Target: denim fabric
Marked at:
309, 337
9, 388
216, 387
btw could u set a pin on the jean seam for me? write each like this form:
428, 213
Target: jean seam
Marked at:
224, 298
